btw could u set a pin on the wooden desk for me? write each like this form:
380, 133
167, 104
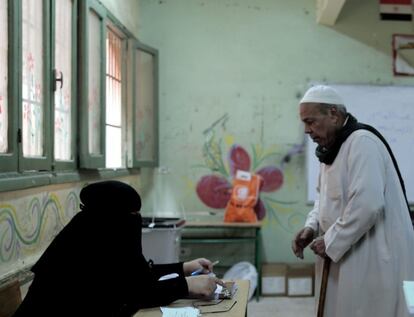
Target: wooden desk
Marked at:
203, 238
238, 310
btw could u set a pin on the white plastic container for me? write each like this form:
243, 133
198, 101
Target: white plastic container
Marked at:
161, 239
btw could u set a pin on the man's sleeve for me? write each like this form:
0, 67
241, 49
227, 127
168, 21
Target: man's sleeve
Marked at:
313, 216
312, 219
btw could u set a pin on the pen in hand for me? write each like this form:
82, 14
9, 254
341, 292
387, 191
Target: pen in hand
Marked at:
200, 270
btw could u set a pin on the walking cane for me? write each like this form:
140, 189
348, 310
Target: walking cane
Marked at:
324, 285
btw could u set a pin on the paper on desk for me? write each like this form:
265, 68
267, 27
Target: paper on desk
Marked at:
408, 287
180, 312
219, 288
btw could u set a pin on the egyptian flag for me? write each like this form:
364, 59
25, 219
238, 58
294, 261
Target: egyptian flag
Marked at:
396, 10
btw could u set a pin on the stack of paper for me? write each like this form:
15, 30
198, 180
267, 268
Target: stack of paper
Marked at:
180, 312
408, 287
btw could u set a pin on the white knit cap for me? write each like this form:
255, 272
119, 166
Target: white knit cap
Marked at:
322, 94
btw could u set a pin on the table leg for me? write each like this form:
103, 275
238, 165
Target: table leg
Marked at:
258, 263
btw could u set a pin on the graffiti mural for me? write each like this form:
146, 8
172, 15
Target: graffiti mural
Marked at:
25, 232
223, 161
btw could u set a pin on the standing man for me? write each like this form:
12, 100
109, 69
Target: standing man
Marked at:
360, 221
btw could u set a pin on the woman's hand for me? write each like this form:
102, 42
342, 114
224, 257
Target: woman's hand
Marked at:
198, 264
202, 286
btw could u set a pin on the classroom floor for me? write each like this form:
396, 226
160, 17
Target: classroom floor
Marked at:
281, 307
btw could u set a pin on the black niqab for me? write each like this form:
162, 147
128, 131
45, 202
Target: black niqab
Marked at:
95, 265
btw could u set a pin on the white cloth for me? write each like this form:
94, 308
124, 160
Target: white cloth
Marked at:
368, 232
322, 94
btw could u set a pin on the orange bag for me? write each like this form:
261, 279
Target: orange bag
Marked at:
244, 196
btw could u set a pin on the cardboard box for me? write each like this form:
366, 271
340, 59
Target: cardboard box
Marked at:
300, 280
274, 279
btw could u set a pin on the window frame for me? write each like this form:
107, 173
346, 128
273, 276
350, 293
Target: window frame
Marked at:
16, 174
61, 165
43, 163
9, 160
87, 160
137, 162
116, 27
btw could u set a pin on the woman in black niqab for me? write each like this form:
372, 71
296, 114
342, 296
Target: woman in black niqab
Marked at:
95, 266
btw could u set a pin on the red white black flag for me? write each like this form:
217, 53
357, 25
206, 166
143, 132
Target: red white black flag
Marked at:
396, 9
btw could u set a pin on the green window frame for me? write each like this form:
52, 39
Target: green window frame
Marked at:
64, 165
43, 162
14, 160
9, 160
16, 171
147, 126
86, 159
114, 26
145, 135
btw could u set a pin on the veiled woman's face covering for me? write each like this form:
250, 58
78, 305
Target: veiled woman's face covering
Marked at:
110, 196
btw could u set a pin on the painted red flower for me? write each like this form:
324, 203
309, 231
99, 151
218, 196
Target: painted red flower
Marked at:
214, 190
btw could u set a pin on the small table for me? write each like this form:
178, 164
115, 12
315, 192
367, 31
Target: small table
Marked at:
206, 239
238, 305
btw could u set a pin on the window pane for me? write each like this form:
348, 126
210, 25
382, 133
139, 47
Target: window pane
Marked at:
3, 78
63, 66
94, 82
32, 76
113, 153
144, 112
113, 79
113, 100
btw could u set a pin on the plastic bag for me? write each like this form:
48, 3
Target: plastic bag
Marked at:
243, 271
244, 196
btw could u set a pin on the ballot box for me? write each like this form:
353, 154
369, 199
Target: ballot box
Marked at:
161, 239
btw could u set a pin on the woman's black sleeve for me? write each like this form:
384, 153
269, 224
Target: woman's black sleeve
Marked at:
145, 290
164, 269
